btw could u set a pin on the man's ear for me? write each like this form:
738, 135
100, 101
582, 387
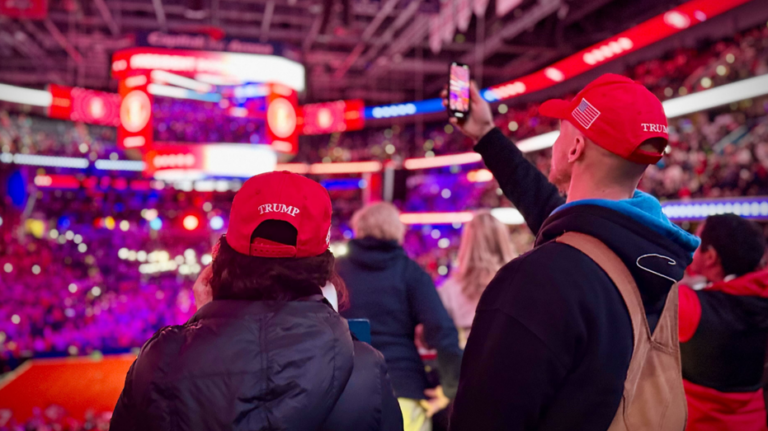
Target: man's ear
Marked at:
577, 149
711, 258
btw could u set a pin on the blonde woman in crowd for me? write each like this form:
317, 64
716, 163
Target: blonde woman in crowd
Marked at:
485, 247
396, 294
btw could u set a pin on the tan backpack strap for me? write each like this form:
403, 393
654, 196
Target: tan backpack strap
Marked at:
653, 397
618, 273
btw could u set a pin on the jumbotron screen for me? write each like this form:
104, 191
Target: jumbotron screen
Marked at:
229, 119
178, 96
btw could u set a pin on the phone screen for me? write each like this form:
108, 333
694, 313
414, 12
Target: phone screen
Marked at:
458, 100
361, 329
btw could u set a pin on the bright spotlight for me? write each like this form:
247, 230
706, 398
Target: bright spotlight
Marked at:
190, 222
216, 222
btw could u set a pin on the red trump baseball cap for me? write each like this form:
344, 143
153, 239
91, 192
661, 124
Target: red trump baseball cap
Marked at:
284, 196
615, 113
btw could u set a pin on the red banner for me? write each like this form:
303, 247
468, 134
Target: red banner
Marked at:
331, 117
282, 119
135, 129
57, 181
30, 9
88, 106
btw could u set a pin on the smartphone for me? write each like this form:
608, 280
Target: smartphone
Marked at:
458, 91
361, 329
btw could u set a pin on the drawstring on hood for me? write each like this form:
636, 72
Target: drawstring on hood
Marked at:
654, 250
669, 260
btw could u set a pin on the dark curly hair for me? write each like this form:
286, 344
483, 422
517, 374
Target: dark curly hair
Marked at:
739, 243
237, 276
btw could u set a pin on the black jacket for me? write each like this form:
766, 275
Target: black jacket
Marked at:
551, 341
724, 331
395, 294
243, 365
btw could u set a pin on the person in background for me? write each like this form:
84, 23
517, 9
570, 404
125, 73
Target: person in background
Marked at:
266, 348
396, 295
724, 328
581, 333
485, 247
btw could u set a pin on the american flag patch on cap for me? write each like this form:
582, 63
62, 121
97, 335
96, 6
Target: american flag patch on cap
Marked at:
585, 114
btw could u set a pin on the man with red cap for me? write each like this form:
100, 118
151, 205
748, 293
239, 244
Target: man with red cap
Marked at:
267, 349
581, 333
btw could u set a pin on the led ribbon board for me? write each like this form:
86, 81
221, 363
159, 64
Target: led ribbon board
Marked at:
197, 161
755, 208
640, 36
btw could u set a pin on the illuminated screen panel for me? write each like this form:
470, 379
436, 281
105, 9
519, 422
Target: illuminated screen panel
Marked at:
207, 97
755, 208
223, 117
215, 67
283, 119
135, 129
181, 161
332, 117
87, 106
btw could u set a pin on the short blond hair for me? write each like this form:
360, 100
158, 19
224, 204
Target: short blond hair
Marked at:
380, 220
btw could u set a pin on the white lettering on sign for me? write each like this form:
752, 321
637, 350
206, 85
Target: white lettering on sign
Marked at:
166, 161
658, 128
278, 208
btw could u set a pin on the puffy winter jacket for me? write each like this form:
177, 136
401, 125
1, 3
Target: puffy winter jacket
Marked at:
243, 365
723, 334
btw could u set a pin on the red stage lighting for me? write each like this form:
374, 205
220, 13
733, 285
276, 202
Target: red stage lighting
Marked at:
191, 222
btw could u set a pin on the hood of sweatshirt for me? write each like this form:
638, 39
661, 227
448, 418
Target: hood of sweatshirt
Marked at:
374, 253
655, 251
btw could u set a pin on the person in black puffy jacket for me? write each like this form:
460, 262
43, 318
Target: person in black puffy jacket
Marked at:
267, 351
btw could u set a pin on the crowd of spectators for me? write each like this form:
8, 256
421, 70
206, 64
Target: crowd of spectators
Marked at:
179, 120
723, 152
70, 269
77, 293
31, 134
724, 156
55, 418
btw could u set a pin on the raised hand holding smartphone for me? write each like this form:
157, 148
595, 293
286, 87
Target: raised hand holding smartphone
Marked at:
458, 87
479, 120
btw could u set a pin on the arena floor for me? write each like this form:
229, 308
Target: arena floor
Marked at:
77, 384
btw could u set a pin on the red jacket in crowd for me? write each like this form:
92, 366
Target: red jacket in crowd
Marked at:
723, 336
